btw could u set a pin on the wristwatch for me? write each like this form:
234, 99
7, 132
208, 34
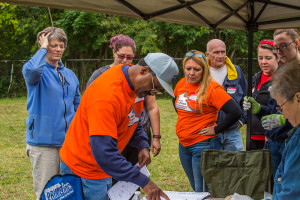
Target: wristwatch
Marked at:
157, 136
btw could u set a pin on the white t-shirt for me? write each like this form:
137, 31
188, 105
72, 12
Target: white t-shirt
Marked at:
218, 74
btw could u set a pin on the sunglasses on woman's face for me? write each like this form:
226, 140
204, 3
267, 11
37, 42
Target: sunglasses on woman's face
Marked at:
123, 56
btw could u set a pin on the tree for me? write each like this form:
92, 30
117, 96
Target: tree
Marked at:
89, 33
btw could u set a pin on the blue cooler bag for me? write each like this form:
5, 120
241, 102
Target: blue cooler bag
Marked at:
63, 187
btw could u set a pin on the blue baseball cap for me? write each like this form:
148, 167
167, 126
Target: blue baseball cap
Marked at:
165, 69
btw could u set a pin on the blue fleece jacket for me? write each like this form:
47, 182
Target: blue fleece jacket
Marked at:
52, 100
287, 177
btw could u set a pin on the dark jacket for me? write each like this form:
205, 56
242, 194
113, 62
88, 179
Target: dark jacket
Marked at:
237, 89
280, 133
262, 96
97, 73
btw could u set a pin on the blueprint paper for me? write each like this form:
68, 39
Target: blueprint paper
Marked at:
123, 190
185, 195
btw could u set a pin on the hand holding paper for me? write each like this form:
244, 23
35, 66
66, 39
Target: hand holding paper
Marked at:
153, 191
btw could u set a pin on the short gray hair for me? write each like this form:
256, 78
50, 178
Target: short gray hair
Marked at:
286, 83
55, 33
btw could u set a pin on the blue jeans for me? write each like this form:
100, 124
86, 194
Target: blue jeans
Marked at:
93, 189
232, 140
190, 158
277, 149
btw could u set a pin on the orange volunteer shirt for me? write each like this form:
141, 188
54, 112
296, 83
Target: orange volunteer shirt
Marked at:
190, 121
108, 107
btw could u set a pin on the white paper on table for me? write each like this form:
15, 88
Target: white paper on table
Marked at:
185, 195
123, 190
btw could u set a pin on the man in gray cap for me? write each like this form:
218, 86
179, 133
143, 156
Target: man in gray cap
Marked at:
107, 120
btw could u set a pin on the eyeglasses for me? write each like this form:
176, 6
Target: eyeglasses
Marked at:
282, 48
122, 56
56, 46
198, 55
155, 91
280, 108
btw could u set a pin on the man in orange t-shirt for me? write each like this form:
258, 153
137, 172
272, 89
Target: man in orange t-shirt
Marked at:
107, 120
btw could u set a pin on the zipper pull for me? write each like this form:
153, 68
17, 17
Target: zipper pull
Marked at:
31, 128
67, 83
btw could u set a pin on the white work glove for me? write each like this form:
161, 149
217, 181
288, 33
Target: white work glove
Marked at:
246, 104
250, 102
269, 122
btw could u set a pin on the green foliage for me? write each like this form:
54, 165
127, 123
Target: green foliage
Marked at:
89, 33
145, 37
84, 32
8, 24
19, 26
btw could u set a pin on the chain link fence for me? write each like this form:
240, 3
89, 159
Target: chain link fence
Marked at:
12, 83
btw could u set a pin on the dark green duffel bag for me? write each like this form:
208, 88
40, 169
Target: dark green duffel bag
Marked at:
242, 172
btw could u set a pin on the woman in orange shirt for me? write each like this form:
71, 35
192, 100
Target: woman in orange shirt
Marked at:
198, 98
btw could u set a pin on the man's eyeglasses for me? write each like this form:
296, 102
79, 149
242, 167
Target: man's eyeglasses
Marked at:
198, 55
122, 56
280, 108
282, 48
155, 91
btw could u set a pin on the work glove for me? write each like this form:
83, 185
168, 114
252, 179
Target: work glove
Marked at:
272, 121
250, 102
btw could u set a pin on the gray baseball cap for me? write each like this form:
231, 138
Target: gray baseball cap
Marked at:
164, 68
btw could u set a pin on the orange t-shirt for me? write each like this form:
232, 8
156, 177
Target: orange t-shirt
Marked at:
108, 107
190, 121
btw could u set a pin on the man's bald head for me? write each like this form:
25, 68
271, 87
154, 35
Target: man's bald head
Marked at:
213, 43
216, 53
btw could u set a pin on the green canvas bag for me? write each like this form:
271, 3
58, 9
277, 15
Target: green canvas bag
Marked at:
242, 172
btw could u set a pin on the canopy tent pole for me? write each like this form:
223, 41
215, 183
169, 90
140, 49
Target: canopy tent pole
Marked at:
50, 16
249, 87
252, 27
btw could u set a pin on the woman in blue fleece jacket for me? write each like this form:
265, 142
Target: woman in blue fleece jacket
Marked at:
287, 177
52, 100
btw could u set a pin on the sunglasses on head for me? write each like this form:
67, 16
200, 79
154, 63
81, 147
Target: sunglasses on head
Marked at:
123, 56
198, 55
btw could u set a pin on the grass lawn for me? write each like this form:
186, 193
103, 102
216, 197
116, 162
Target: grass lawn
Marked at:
15, 168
